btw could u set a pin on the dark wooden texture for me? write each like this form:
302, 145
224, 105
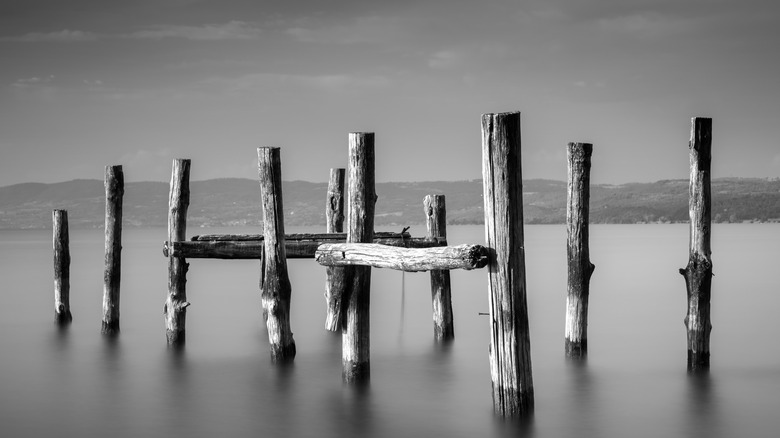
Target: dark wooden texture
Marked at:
403, 259
275, 282
61, 243
580, 268
360, 229
435, 210
698, 273
176, 304
297, 246
383, 237
115, 189
334, 204
510, 346
335, 280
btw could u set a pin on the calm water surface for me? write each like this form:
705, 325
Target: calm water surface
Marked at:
75, 382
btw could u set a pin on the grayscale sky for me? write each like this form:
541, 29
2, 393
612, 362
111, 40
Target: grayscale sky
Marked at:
88, 83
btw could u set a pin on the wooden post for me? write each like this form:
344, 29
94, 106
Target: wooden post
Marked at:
510, 346
335, 281
275, 282
115, 189
62, 315
175, 308
578, 254
436, 222
698, 273
360, 229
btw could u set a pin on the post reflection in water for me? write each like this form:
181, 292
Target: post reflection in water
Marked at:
702, 407
581, 404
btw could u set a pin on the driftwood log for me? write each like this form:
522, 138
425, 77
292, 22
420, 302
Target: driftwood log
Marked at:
175, 309
441, 296
115, 189
275, 282
510, 345
61, 242
580, 268
297, 246
402, 259
698, 273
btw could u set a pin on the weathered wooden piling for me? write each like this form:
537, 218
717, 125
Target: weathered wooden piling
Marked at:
61, 243
175, 308
115, 189
360, 229
577, 249
510, 346
275, 282
335, 280
441, 297
698, 273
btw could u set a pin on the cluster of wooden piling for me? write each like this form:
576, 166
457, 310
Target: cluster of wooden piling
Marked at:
114, 186
349, 256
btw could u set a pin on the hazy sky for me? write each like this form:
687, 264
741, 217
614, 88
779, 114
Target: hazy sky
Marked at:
84, 84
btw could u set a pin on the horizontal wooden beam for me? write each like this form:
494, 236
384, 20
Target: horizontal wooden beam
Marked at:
336, 237
297, 246
402, 259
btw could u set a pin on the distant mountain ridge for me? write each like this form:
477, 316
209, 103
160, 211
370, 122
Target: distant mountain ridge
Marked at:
236, 202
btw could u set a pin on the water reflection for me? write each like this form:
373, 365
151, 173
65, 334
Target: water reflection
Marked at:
702, 416
583, 420
112, 397
174, 396
514, 427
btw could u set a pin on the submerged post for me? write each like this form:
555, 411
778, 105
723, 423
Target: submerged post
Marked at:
360, 229
698, 273
510, 346
275, 282
436, 222
62, 315
175, 308
578, 254
334, 215
115, 189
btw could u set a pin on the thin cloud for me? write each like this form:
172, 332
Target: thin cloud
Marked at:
33, 82
365, 30
233, 30
327, 83
647, 25
63, 36
445, 59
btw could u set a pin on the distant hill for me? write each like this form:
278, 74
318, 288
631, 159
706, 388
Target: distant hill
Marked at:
235, 202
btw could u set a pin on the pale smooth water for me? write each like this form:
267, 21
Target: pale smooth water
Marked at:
77, 383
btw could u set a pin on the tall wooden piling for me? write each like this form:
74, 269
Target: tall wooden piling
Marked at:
360, 229
577, 249
334, 283
510, 346
275, 282
61, 243
436, 223
115, 189
175, 308
698, 273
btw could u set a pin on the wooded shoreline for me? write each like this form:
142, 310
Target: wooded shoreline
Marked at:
232, 203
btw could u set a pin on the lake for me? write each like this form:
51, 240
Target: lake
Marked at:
75, 382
